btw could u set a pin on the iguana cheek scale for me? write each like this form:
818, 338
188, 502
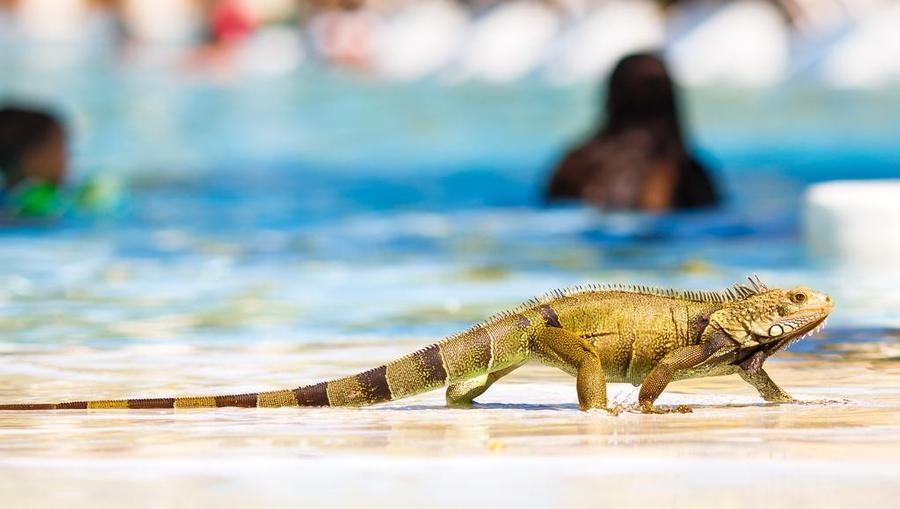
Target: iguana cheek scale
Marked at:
597, 333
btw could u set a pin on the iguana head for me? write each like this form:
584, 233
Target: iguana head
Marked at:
775, 317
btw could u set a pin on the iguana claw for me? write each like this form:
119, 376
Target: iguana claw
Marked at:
648, 408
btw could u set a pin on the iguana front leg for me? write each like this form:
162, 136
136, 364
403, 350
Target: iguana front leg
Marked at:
683, 358
753, 373
768, 389
580, 354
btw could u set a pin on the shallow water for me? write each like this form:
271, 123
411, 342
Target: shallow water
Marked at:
283, 232
526, 442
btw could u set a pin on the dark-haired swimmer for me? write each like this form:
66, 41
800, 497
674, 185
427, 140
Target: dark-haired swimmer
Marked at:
637, 159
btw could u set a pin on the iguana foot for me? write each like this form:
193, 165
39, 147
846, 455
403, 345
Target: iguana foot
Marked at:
784, 400
613, 411
648, 408
825, 401
460, 404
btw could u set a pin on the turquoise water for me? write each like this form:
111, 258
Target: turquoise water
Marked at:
322, 206
277, 233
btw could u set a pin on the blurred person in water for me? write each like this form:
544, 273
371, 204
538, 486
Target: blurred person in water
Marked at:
34, 163
637, 159
33, 159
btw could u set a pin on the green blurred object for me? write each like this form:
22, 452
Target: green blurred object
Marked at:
35, 199
99, 194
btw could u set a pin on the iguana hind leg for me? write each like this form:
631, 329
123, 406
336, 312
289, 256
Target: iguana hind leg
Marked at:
563, 349
462, 394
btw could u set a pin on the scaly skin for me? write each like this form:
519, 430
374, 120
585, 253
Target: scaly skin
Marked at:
639, 335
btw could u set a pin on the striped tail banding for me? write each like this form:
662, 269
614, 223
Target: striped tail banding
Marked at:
493, 344
418, 372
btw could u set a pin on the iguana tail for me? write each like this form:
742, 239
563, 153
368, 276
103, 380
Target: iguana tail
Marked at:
457, 358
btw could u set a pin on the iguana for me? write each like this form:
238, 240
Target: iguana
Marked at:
597, 333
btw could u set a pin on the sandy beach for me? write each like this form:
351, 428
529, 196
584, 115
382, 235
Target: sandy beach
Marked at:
526, 442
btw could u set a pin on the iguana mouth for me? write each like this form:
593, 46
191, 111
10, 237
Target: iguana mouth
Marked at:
804, 332
772, 347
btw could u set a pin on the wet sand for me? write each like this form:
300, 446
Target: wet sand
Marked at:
525, 443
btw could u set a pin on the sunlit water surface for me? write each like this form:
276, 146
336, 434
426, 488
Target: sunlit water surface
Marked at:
284, 232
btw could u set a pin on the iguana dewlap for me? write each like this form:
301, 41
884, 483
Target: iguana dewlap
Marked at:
597, 333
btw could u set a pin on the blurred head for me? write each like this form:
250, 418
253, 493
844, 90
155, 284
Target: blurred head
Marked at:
32, 146
640, 92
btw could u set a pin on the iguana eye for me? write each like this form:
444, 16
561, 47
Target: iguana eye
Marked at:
799, 297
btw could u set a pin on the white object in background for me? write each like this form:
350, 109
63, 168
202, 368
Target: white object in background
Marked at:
163, 21
509, 41
271, 52
52, 20
869, 56
596, 43
344, 37
419, 39
855, 221
743, 43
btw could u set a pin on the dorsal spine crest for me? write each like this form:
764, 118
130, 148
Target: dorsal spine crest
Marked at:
733, 293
